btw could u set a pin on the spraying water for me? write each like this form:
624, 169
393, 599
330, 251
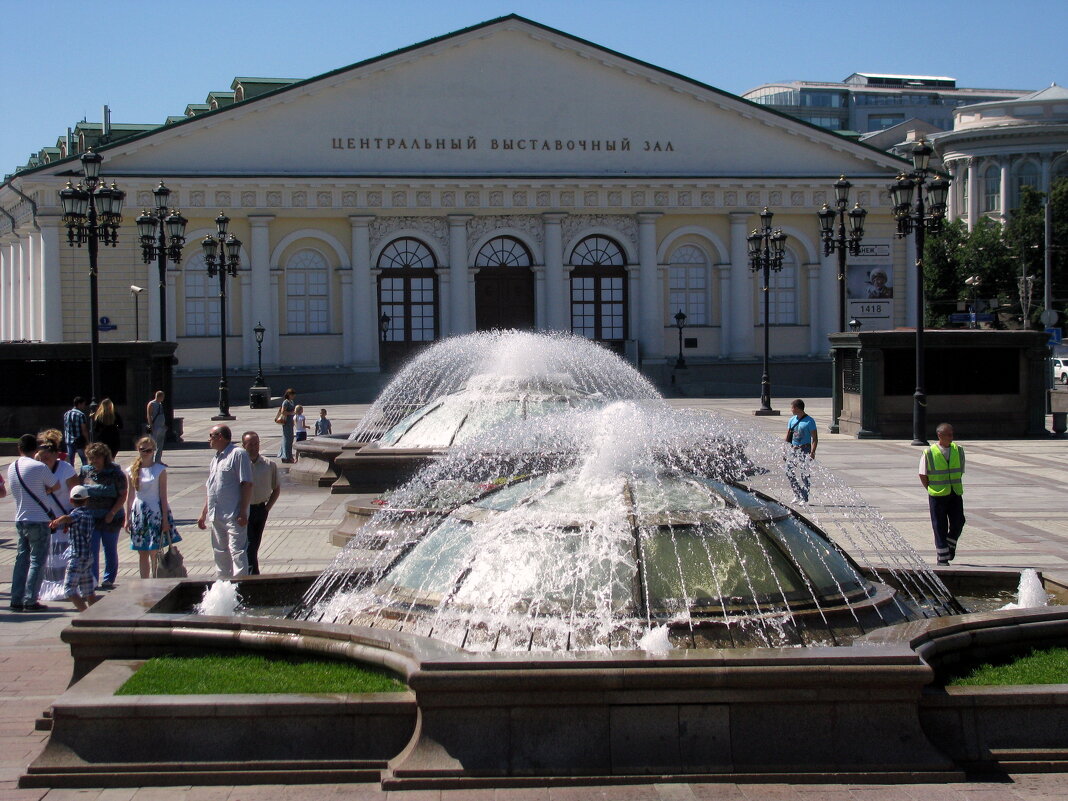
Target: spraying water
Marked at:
221, 598
1030, 594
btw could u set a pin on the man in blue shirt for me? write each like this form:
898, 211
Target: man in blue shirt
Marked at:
76, 430
803, 439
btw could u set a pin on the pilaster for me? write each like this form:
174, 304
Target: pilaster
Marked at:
460, 314
974, 192
557, 316
263, 291
741, 332
816, 339
364, 292
649, 304
51, 280
726, 317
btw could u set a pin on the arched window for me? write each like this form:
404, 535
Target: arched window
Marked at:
201, 299
992, 188
307, 295
1060, 170
503, 251
1027, 175
599, 290
688, 284
407, 291
782, 293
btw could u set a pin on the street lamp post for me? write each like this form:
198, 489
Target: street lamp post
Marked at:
259, 331
383, 325
767, 247
919, 217
162, 235
136, 292
837, 242
680, 323
221, 255
92, 214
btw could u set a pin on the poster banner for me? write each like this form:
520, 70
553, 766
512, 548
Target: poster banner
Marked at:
870, 286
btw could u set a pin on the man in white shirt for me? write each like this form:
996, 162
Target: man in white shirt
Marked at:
32, 485
229, 490
265, 490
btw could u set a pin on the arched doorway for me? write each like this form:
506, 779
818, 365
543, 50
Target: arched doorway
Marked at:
599, 291
504, 285
407, 300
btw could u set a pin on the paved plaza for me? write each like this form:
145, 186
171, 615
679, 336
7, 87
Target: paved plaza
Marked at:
1017, 516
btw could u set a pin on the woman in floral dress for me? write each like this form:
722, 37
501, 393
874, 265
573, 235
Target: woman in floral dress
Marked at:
148, 514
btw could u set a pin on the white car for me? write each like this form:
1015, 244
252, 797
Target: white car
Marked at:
1060, 370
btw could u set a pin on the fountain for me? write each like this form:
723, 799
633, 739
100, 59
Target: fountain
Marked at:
457, 388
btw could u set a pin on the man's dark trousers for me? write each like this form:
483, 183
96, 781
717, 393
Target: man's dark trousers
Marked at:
947, 520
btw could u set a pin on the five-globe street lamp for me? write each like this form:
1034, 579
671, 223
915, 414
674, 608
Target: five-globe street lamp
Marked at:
221, 254
92, 212
916, 214
767, 247
680, 323
162, 235
838, 242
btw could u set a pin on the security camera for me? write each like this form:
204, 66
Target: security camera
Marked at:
137, 290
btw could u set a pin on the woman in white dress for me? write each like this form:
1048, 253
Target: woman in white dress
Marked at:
148, 514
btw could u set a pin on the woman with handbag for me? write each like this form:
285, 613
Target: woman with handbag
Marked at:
148, 514
107, 487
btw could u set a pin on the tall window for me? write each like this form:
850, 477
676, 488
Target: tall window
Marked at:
201, 299
503, 251
307, 297
1027, 175
688, 285
992, 188
782, 293
407, 291
599, 290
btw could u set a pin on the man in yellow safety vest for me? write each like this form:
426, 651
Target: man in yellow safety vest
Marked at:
942, 473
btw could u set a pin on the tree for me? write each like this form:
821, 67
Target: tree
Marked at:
1025, 236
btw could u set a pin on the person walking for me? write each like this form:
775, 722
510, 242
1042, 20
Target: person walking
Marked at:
107, 423
107, 487
32, 485
76, 430
942, 475
285, 417
228, 491
53, 572
802, 437
156, 419
149, 521
265, 491
78, 582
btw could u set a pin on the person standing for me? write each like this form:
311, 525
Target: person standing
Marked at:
76, 430
229, 490
107, 487
53, 572
285, 417
802, 436
107, 423
942, 475
32, 484
156, 419
323, 426
148, 514
265, 491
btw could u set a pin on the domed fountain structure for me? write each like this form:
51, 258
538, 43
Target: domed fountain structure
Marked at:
459, 387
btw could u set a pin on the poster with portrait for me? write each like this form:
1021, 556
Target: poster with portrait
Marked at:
870, 286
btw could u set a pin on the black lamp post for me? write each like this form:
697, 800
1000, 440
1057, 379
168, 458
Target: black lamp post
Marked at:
383, 325
680, 322
838, 242
92, 214
136, 292
162, 234
259, 331
921, 218
221, 254
766, 250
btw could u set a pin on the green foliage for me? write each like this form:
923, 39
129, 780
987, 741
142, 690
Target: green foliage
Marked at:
1038, 667
941, 266
247, 673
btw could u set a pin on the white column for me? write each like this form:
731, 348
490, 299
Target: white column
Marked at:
262, 299
908, 280
4, 290
557, 316
348, 330
33, 284
364, 292
445, 309
540, 319
1005, 194
633, 292
271, 351
952, 200
11, 299
726, 318
245, 325
974, 191
150, 280
51, 280
1046, 166
816, 337
172, 301
828, 299
25, 330
742, 336
649, 304
460, 313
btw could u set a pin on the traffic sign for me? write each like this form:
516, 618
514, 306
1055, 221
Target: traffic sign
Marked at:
1049, 317
105, 324
1056, 335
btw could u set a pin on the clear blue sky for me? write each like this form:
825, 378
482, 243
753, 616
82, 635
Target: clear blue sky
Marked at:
62, 60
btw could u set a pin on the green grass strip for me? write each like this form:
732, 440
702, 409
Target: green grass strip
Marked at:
250, 673
1038, 667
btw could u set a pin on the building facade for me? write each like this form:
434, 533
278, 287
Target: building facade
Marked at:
507, 175
995, 149
866, 102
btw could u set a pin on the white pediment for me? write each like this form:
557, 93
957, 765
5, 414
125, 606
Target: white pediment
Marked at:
511, 99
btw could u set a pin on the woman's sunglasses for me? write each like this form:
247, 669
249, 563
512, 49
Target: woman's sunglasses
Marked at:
146, 450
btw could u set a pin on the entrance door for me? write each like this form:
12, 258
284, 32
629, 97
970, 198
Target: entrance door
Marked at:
504, 285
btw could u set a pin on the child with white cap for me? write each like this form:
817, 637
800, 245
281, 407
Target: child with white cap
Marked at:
78, 585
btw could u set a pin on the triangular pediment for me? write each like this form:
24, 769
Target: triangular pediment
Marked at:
507, 98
